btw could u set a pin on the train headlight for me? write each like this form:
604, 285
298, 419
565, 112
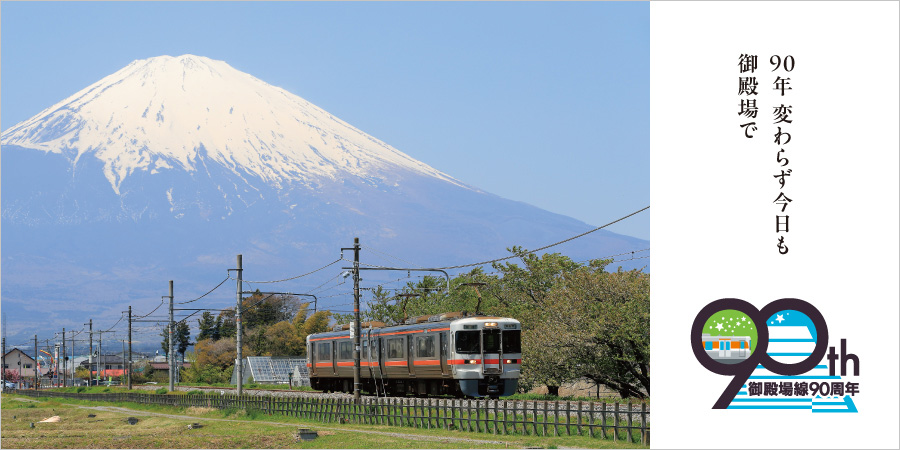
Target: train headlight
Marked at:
490, 324
508, 361
472, 361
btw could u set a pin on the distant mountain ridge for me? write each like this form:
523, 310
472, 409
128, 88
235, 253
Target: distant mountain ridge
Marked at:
172, 165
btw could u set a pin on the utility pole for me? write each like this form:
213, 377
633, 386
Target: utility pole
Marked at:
239, 364
3, 371
73, 358
356, 383
64, 357
56, 355
129, 347
99, 355
171, 336
35, 363
90, 325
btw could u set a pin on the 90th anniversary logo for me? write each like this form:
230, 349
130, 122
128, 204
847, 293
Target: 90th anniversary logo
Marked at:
775, 356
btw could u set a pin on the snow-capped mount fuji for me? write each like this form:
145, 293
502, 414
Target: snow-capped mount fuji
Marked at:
164, 112
169, 167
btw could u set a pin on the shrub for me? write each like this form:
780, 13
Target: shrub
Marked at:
161, 391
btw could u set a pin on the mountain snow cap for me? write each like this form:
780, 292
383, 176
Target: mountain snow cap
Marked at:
169, 112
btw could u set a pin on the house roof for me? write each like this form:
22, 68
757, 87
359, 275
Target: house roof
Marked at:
165, 365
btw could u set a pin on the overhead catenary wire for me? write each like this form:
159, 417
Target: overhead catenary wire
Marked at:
292, 278
518, 255
161, 302
204, 295
368, 247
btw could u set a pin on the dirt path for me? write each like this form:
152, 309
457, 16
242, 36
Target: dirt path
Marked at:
416, 437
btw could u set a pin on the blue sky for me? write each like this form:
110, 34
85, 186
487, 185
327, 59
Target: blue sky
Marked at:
545, 103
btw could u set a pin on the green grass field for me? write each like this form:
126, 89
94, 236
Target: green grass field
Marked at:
227, 429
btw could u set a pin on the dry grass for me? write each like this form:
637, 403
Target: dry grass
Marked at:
197, 410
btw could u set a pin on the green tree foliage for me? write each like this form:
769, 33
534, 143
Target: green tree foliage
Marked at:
226, 324
316, 323
207, 373
567, 332
283, 340
209, 327
182, 338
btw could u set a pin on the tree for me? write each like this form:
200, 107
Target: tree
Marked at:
182, 338
82, 372
209, 327
11, 375
267, 309
221, 353
600, 322
284, 340
316, 323
226, 324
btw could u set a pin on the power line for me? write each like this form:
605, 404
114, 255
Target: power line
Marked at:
204, 295
292, 278
161, 302
519, 255
114, 325
323, 284
367, 247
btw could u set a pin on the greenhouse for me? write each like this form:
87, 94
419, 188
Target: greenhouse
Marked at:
274, 370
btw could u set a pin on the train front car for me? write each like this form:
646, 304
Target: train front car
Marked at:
444, 354
486, 355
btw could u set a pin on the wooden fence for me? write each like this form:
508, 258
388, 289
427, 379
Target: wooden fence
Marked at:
618, 421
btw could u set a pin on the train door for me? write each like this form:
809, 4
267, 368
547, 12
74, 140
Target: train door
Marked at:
444, 348
364, 354
376, 358
410, 355
334, 354
311, 363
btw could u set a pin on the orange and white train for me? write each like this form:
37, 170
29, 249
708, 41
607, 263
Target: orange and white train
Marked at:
444, 354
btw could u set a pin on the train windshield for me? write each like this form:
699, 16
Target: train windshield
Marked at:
512, 341
491, 341
468, 341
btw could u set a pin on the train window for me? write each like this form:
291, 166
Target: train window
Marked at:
345, 351
491, 341
395, 348
512, 341
708, 345
425, 347
468, 342
324, 351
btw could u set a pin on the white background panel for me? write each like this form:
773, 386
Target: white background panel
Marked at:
713, 217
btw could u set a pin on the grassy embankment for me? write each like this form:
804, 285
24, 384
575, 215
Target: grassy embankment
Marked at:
243, 429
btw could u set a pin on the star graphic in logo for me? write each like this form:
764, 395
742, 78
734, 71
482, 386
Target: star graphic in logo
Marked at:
780, 318
719, 326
